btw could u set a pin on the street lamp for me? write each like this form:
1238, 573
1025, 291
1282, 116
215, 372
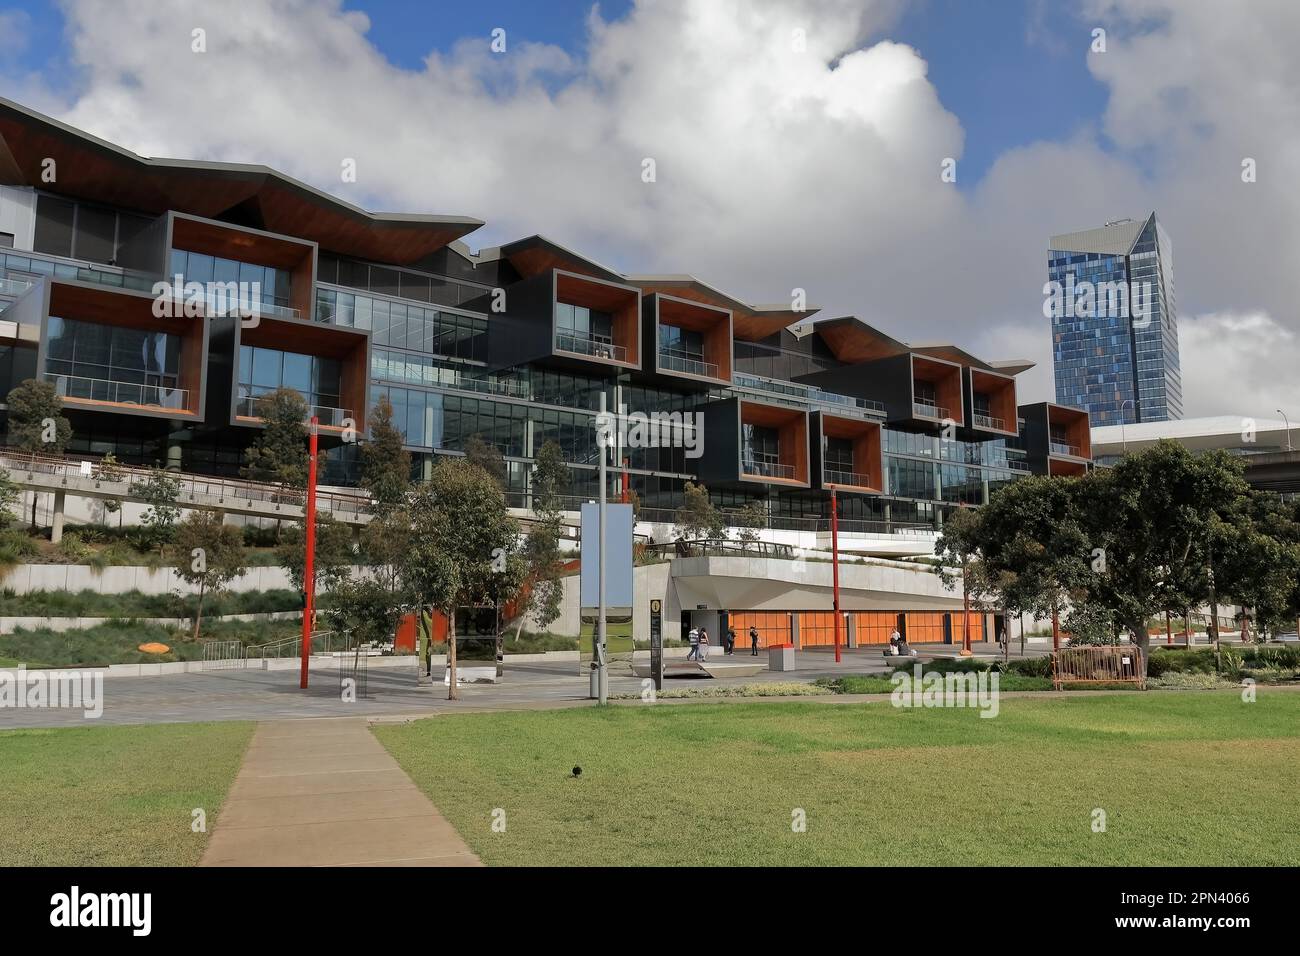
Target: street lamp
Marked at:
1288, 428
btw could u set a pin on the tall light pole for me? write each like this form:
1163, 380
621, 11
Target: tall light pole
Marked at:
602, 678
309, 569
1123, 432
835, 570
1288, 428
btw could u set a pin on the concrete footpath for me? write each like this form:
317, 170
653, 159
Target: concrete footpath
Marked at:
324, 792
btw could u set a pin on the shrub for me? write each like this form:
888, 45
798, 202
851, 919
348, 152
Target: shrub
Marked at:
1190, 680
73, 547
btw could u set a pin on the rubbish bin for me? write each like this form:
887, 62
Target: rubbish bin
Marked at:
780, 657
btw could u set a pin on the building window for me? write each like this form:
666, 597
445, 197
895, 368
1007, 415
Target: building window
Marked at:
6, 240
262, 371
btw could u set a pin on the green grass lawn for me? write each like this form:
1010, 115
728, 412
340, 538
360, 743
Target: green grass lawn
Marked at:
1196, 778
114, 796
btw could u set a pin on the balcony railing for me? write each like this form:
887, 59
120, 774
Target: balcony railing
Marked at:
1061, 448
674, 361
807, 396
833, 477
327, 415
768, 469
989, 421
124, 393
925, 409
14, 287
217, 302
594, 345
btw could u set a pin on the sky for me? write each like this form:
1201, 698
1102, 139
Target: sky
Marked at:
795, 145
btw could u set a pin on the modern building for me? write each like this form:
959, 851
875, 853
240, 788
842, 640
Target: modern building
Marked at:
1270, 448
1110, 296
516, 344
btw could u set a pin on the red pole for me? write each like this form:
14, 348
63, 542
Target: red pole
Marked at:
835, 570
309, 567
965, 621
1056, 630
625, 487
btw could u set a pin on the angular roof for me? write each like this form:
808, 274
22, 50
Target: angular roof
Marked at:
1114, 239
749, 323
92, 169
852, 340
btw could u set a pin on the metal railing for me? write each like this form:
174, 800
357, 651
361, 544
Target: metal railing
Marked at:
723, 547
989, 421
929, 410
327, 415
196, 490
674, 361
14, 286
1061, 448
767, 469
596, 346
222, 302
833, 477
806, 396
124, 393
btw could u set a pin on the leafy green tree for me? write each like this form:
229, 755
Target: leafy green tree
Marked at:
212, 555
749, 521
385, 464
36, 422
159, 491
461, 544
108, 469
544, 561
1257, 560
1034, 546
385, 543
958, 549
698, 517
279, 452
487, 457
8, 498
364, 609
1157, 516
333, 556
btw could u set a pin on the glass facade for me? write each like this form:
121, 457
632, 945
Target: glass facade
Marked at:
262, 371
1115, 328
113, 364
273, 284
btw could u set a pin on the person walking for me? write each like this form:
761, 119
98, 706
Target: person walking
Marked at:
731, 641
753, 641
694, 639
704, 645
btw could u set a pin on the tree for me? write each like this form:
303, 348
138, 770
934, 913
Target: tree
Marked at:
697, 517
215, 553
958, 549
461, 543
1257, 560
1034, 547
487, 457
749, 521
108, 469
543, 559
364, 609
332, 559
279, 452
8, 497
1157, 517
385, 546
159, 491
385, 464
36, 422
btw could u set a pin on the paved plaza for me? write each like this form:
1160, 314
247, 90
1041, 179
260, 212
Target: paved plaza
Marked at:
393, 690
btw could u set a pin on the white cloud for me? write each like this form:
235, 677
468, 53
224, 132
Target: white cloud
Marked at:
776, 167
1239, 364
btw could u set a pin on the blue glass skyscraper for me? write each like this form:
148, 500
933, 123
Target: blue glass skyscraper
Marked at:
1110, 296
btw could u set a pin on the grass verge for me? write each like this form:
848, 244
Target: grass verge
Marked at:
114, 796
718, 784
